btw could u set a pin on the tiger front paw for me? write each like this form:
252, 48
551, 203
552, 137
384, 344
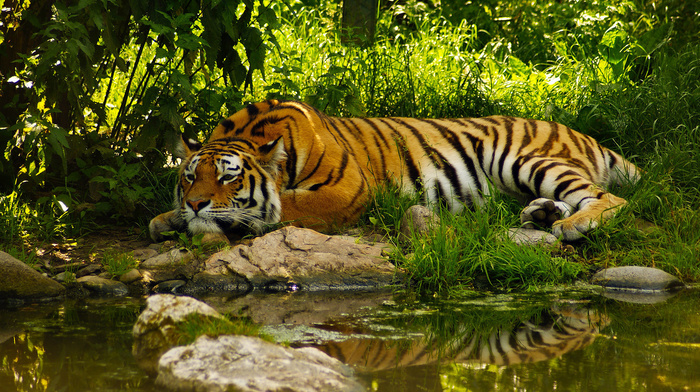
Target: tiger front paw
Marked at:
167, 221
543, 213
574, 227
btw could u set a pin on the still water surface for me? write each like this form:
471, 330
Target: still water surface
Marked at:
567, 342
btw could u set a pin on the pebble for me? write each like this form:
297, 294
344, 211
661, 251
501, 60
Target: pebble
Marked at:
104, 287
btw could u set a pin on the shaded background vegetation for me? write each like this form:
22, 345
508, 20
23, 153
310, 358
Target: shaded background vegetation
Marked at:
94, 93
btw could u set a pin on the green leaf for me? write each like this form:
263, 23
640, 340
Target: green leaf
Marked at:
188, 41
169, 110
612, 46
267, 15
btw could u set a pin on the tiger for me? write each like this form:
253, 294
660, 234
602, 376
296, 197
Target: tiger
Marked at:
564, 328
285, 162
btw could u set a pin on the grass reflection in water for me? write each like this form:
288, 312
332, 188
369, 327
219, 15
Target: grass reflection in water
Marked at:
408, 344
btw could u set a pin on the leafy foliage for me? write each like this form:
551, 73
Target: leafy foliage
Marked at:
104, 87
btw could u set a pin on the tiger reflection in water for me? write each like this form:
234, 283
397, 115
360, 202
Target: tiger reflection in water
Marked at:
569, 329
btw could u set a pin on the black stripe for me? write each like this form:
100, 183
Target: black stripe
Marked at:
506, 149
313, 171
400, 142
581, 187
376, 130
343, 166
561, 187
333, 124
515, 171
574, 138
441, 195
494, 150
265, 195
359, 136
578, 205
258, 128
539, 177
251, 199
291, 162
526, 140
613, 160
435, 156
328, 181
252, 110
228, 125
466, 159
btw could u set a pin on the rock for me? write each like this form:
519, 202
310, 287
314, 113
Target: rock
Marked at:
155, 331
248, 364
64, 276
169, 286
293, 258
130, 276
645, 298
144, 253
418, 220
19, 282
636, 279
525, 237
302, 307
205, 283
171, 265
91, 269
103, 287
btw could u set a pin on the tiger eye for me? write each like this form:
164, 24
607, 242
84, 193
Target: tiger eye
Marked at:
227, 177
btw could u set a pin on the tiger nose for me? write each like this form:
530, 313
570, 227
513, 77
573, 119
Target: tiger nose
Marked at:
197, 205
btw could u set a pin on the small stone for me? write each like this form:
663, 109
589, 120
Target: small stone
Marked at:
60, 277
92, 269
526, 237
418, 220
144, 253
130, 276
213, 238
169, 286
636, 279
171, 265
103, 287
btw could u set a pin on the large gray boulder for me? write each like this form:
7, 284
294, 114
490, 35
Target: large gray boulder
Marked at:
295, 258
249, 364
19, 282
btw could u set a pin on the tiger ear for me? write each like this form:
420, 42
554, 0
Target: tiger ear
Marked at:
271, 154
187, 147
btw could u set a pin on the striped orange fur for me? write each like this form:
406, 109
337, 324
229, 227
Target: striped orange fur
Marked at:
286, 161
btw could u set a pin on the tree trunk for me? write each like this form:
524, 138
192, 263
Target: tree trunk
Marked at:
359, 21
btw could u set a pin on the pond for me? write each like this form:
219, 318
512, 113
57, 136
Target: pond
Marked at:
571, 341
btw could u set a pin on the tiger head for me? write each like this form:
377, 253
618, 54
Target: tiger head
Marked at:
228, 184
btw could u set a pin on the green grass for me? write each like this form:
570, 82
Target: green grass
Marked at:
196, 325
118, 264
470, 250
623, 72
622, 83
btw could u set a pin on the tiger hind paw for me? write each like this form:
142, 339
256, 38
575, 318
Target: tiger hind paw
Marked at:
543, 212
